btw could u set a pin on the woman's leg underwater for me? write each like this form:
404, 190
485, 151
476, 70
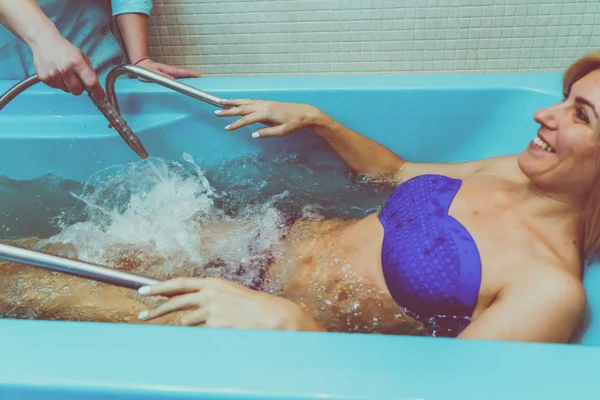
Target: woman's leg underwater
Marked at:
33, 293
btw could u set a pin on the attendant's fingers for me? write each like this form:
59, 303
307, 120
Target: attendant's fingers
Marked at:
73, 84
90, 81
177, 72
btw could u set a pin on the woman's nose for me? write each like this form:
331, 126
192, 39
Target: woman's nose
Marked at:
548, 117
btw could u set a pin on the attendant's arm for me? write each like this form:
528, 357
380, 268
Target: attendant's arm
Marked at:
27, 21
134, 32
132, 19
57, 62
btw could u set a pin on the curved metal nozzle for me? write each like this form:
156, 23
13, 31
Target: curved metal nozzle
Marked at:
118, 123
145, 74
17, 89
104, 106
109, 107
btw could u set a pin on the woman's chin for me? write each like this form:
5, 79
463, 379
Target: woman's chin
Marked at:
530, 164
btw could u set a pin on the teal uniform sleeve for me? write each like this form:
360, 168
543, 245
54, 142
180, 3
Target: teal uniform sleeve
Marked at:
131, 6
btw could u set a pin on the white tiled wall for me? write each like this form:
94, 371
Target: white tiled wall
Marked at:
373, 37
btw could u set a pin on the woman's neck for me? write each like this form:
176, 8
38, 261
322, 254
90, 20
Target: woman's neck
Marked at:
556, 216
548, 202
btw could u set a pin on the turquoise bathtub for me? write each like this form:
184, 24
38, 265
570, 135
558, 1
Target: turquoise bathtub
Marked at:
441, 118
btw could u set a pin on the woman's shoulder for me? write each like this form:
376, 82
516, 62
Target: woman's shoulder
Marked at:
505, 166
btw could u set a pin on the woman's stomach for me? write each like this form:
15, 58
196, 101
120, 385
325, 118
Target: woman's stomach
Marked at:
334, 272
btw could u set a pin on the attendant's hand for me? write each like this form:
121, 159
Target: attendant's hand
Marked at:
60, 64
166, 70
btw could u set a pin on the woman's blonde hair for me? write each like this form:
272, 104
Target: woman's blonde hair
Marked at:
590, 217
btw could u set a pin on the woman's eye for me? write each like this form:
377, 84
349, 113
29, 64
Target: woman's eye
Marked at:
582, 116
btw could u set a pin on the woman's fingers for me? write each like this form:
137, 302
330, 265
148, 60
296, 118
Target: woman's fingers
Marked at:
173, 287
179, 303
245, 121
235, 111
279, 130
239, 102
195, 317
255, 111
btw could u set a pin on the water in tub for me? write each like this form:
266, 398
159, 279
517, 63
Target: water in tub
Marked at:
170, 218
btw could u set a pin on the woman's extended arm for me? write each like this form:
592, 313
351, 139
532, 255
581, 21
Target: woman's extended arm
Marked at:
363, 155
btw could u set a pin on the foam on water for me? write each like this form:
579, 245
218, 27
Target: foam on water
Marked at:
162, 216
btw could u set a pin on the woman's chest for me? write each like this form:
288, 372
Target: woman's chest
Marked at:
509, 240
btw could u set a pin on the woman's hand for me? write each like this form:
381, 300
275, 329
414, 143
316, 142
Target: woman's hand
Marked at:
282, 118
219, 303
168, 71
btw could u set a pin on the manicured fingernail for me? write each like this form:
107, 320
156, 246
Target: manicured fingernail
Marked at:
144, 290
143, 315
223, 101
227, 127
255, 135
218, 112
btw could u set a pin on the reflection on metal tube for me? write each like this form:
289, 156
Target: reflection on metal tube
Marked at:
74, 267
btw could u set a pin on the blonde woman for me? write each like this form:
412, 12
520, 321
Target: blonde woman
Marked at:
491, 249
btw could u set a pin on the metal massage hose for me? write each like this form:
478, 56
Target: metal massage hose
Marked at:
73, 267
109, 107
105, 107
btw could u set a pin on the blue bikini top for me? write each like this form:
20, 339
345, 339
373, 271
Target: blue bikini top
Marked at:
431, 263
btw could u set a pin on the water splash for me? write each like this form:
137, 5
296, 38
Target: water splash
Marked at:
161, 217
168, 218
